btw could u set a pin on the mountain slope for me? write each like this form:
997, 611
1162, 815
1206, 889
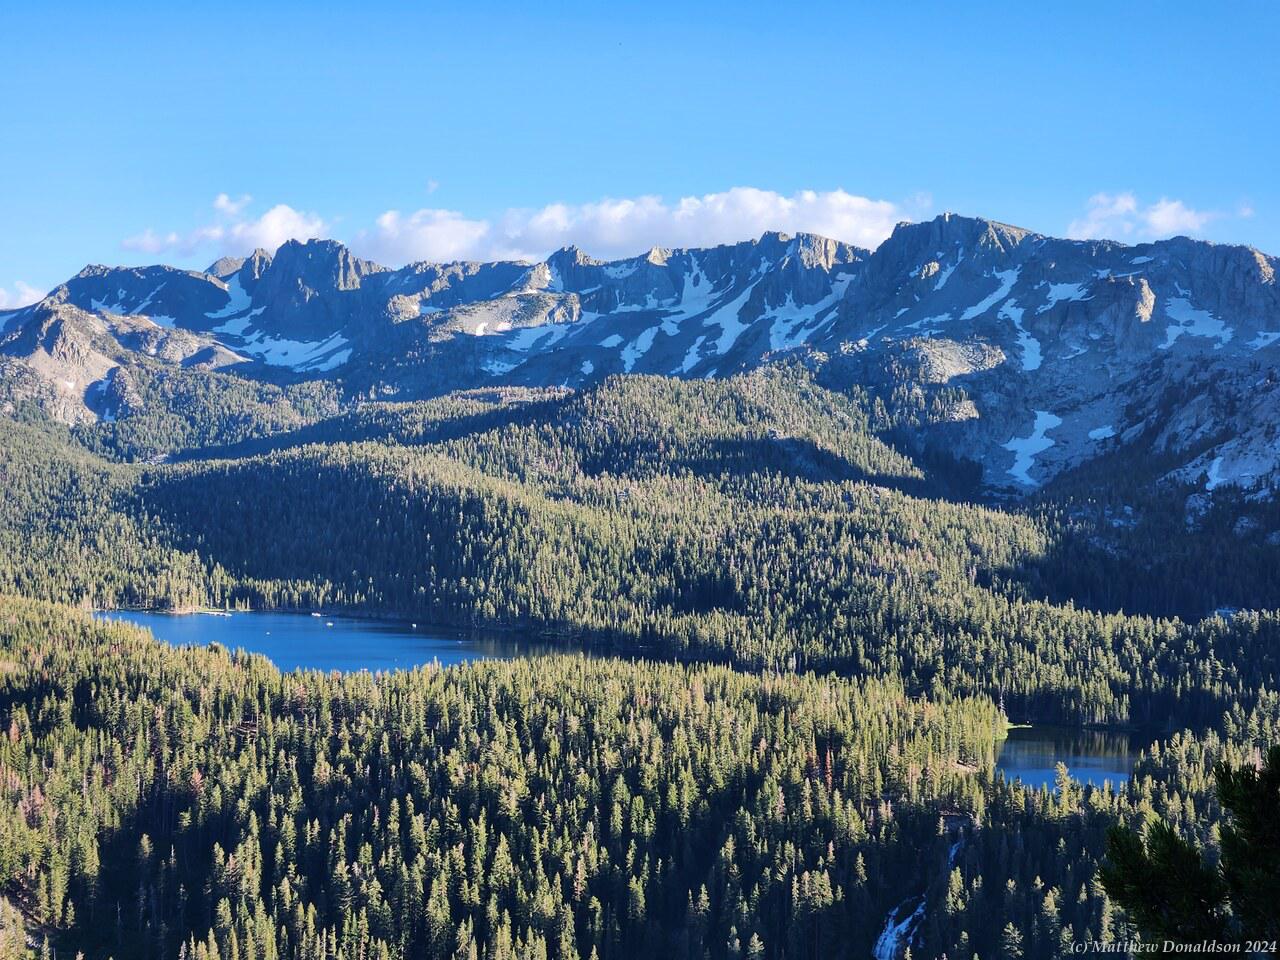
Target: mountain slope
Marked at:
1026, 354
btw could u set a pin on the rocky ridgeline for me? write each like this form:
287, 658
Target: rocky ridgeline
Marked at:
1031, 354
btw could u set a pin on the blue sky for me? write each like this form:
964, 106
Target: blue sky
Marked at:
434, 131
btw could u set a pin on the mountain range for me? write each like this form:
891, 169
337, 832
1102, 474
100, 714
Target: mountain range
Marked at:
1024, 354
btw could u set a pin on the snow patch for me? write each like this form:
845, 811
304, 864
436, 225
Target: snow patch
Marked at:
650, 303
334, 361
1265, 338
101, 306
1031, 352
691, 357
237, 301
1025, 449
498, 367
637, 348
926, 325
298, 354
1059, 292
1193, 322
1007, 279
946, 273
793, 325
237, 326
611, 341
1102, 433
1077, 350
141, 308
544, 336
1214, 478
696, 292
726, 318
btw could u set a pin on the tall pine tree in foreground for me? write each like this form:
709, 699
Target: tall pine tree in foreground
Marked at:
1171, 893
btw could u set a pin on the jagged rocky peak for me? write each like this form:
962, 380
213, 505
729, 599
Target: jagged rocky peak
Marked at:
319, 265
823, 253
1220, 274
95, 270
225, 267
572, 256
949, 234
254, 267
569, 268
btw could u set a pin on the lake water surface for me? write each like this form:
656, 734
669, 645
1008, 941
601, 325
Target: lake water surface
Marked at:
1030, 754
329, 642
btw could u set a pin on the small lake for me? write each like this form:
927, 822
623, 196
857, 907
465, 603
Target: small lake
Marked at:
329, 642
1030, 754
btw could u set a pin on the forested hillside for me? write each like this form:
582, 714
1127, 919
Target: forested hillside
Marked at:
758, 520
163, 802
834, 641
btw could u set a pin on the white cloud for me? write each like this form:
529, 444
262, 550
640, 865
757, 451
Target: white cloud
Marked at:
232, 232
628, 226
425, 235
151, 242
232, 208
23, 295
1167, 217
1121, 216
612, 227
274, 227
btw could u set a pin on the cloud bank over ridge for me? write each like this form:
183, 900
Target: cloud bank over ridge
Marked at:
610, 228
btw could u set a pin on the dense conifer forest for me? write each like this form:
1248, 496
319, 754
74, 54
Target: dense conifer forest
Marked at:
803, 640
196, 802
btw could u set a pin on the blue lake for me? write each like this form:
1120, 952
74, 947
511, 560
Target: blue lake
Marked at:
329, 642
1030, 754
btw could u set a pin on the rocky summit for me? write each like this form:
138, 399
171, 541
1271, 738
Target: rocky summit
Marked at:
1024, 354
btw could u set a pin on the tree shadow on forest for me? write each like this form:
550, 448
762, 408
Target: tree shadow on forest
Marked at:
124, 909
792, 458
352, 427
741, 458
1154, 570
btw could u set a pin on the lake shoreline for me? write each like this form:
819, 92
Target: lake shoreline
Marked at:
569, 639
328, 640
346, 613
572, 639
1033, 754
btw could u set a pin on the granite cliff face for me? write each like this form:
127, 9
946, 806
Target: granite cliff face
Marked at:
1025, 353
